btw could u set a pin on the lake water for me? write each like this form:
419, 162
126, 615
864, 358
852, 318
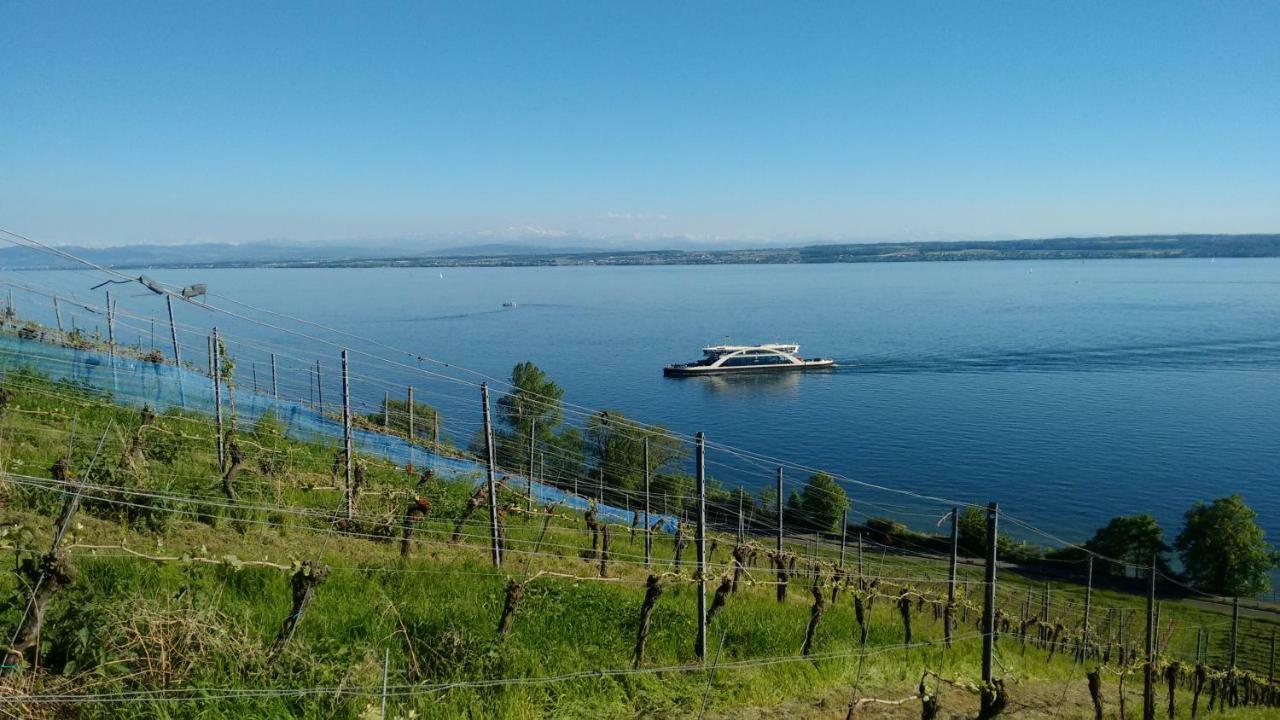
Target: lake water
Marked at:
1069, 392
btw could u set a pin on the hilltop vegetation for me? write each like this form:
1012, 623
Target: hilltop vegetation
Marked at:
300, 255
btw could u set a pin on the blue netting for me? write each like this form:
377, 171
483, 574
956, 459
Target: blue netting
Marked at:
136, 382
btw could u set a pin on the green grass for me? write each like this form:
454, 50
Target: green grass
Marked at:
130, 624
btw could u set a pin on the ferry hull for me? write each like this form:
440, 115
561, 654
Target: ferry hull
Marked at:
695, 371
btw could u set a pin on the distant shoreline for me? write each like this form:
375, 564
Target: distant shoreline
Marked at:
1102, 248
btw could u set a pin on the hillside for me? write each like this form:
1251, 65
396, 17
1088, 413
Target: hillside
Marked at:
186, 589
310, 255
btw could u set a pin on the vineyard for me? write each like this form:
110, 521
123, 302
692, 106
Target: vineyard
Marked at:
189, 542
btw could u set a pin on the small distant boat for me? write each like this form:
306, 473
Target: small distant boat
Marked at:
718, 359
508, 304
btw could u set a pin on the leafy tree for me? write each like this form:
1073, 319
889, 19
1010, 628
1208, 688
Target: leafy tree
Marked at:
534, 403
822, 502
973, 531
1224, 551
973, 538
1131, 539
396, 412
793, 511
617, 443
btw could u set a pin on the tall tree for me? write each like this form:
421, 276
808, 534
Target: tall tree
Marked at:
1131, 539
616, 444
534, 402
822, 502
1224, 551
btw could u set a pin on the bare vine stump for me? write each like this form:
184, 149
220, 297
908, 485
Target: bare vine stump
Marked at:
721, 597
477, 499
860, 613
653, 588
1053, 634
929, 704
135, 454
417, 510
815, 614
1095, 692
50, 574
593, 525
235, 458
681, 544
1171, 674
515, 593
993, 700
742, 555
904, 608
780, 562
303, 583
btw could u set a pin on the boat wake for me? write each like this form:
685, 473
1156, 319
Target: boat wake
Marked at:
1255, 353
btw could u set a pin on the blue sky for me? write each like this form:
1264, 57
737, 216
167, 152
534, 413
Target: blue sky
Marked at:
176, 122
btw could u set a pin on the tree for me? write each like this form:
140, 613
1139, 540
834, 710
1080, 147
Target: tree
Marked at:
616, 444
822, 502
534, 403
1224, 551
973, 538
1131, 539
973, 531
396, 412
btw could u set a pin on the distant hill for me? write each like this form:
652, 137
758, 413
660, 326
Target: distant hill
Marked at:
508, 254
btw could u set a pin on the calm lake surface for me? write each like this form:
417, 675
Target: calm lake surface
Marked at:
1069, 392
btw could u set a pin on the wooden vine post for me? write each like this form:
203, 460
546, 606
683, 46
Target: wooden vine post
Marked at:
111, 327
173, 336
533, 424
275, 388
648, 528
604, 550
1235, 627
495, 545
782, 572
347, 450
948, 618
700, 460
992, 701
1088, 609
844, 537
1149, 668
215, 374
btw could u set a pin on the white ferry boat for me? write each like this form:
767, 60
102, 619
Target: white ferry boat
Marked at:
719, 359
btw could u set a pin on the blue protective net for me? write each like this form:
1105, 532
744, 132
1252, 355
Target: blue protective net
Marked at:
136, 382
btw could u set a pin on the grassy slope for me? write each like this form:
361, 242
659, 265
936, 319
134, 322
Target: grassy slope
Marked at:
130, 623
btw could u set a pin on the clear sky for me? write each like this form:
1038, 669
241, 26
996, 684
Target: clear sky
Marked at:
241, 121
